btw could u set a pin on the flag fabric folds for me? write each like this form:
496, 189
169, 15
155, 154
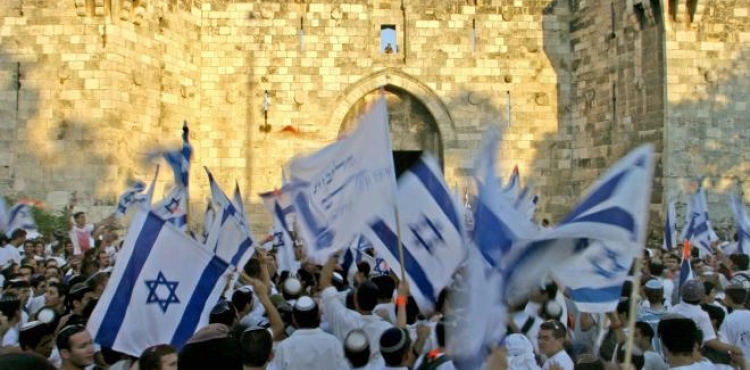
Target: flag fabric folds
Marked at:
432, 232
21, 216
597, 241
164, 281
173, 208
670, 227
698, 229
742, 223
229, 237
686, 271
335, 190
131, 196
280, 206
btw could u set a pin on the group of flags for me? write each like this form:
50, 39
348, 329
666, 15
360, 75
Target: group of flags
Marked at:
345, 199
167, 281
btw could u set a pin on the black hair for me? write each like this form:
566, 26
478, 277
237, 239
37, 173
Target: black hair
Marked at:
367, 296
241, 298
223, 313
714, 313
557, 328
256, 345
30, 338
9, 305
151, 357
18, 233
75, 215
308, 319
392, 355
63, 337
740, 260
26, 361
656, 268
678, 335
645, 329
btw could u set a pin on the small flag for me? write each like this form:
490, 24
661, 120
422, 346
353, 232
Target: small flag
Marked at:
131, 196
670, 227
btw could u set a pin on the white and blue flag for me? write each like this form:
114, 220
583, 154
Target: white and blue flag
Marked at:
498, 224
742, 223
698, 229
432, 232
173, 208
229, 237
132, 195
280, 206
209, 216
670, 226
336, 190
162, 288
21, 216
592, 249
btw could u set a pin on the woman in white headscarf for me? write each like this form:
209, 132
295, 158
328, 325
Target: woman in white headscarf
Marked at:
520, 353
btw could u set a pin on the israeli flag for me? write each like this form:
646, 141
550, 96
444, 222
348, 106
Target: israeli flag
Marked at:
698, 229
498, 224
173, 208
131, 196
21, 216
432, 232
742, 222
280, 206
209, 216
229, 237
337, 189
670, 227
179, 160
161, 290
352, 256
592, 249
238, 203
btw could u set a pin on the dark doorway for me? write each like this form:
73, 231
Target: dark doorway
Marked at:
403, 159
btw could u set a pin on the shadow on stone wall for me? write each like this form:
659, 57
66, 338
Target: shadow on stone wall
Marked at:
46, 147
709, 136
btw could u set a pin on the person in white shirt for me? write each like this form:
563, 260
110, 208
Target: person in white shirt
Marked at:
736, 326
10, 307
256, 348
9, 252
692, 292
343, 320
551, 339
309, 348
642, 338
83, 235
679, 343
395, 346
520, 353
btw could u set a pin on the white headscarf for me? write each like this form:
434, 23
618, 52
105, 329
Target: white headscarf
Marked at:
520, 353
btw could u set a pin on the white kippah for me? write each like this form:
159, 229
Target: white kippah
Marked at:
46, 315
31, 325
338, 277
553, 308
654, 284
356, 341
292, 286
304, 304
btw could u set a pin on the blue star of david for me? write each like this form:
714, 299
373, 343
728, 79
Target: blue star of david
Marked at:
427, 233
278, 239
153, 297
173, 206
380, 266
610, 256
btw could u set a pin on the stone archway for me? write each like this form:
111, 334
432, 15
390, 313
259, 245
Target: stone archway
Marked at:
419, 120
396, 80
413, 128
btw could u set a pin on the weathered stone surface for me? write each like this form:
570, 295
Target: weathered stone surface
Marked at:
87, 88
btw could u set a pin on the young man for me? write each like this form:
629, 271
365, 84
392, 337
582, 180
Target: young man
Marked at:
395, 346
37, 337
76, 347
736, 326
256, 348
309, 347
551, 339
159, 357
82, 234
643, 337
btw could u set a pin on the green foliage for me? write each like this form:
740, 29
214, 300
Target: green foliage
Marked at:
49, 221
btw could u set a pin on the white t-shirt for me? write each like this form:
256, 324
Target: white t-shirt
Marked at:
81, 238
736, 329
9, 253
703, 365
700, 317
561, 359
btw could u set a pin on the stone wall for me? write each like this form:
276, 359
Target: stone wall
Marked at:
708, 84
100, 83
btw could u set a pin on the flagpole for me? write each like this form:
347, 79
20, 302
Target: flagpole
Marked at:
632, 310
400, 245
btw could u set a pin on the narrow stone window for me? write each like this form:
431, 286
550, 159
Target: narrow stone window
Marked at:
388, 44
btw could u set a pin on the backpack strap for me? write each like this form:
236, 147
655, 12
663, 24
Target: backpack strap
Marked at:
527, 325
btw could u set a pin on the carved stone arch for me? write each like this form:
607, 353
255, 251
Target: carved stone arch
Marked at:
393, 77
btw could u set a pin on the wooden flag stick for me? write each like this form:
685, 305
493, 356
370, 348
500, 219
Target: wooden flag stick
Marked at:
400, 245
633, 310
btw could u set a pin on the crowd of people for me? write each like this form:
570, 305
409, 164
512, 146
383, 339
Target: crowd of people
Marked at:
322, 317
